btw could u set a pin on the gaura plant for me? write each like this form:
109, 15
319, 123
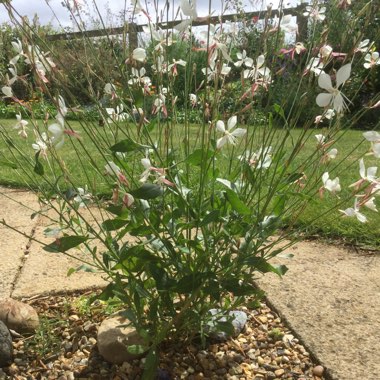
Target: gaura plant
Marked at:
181, 217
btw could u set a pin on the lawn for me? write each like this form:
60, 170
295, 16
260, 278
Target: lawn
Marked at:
85, 168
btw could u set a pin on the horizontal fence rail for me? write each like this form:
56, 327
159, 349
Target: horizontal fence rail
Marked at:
132, 29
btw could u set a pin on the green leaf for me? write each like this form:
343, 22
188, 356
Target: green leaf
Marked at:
38, 168
151, 364
237, 204
70, 272
85, 268
137, 349
278, 109
65, 243
211, 217
190, 282
8, 163
147, 191
226, 327
117, 210
114, 224
279, 269
234, 286
279, 204
263, 266
291, 178
127, 145
198, 156
163, 282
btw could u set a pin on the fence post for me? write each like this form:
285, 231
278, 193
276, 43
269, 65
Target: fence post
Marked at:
302, 27
132, 36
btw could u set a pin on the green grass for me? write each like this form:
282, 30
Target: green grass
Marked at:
83, 170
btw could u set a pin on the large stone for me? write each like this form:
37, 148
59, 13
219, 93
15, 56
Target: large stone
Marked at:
115, 334
237, 318
18, 316
6, 348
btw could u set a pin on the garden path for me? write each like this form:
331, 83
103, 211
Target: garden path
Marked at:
329, 297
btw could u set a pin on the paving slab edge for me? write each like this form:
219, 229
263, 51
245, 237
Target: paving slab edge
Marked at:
327, 374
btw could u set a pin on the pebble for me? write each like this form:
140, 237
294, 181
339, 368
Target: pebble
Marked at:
279, 372
250, 355
318, 371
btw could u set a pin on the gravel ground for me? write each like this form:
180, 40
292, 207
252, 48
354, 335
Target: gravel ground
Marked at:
65, 348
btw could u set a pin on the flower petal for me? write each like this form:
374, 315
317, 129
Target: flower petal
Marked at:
239, 132
324, 81
343, 74
323, 100
231, 122
220, 126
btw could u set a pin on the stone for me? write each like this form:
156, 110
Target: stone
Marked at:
238, 319
115, 334
318, 371
279, 372
6, 349
18, 316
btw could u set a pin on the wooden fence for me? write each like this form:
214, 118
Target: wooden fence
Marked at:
133, 29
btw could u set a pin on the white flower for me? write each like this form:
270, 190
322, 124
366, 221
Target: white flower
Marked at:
364, 46
370, 203
212, 71
332, 153
321, 139
193, 99
355, 212
41, 144
262, 159
20, 122
316, 13
109, 89
243, 59
188, 8
7, 91
325, 51
17, 46
82, 197
22, 125
260, 71
367, 175
371, 60
334, 97
315, 65
112, 169
372, 136
229, 135
138, 77
161, 36
139, 54
331, 185
58, 136
116, 115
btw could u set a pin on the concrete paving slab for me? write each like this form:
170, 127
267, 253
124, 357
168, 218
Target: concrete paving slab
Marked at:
330, 297
12, 244
17, 206
45, 272
12, 248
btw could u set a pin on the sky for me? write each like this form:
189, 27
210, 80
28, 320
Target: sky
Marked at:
45, 9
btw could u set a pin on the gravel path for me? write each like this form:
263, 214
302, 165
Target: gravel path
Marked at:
65, 349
